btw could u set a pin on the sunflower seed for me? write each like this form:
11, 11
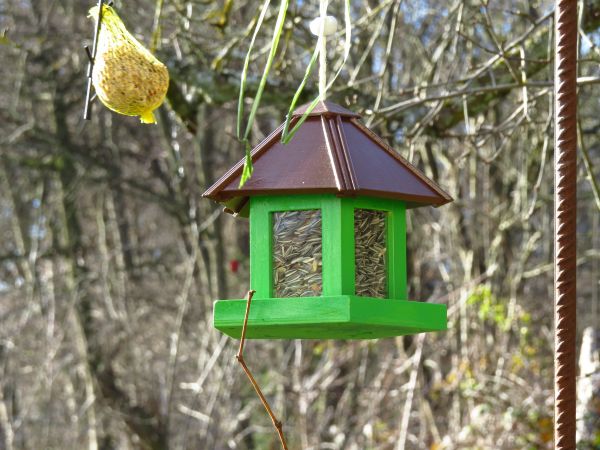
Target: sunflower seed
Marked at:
371, 253
297, 253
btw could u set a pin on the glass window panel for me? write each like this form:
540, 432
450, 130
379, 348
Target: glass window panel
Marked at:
371, 253
297, 254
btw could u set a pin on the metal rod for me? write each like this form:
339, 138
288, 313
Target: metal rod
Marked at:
92, 56
565, 217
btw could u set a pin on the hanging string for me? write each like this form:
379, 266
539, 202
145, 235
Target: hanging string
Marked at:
323, 49
322, 26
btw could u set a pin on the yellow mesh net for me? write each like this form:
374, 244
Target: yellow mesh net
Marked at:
128, 79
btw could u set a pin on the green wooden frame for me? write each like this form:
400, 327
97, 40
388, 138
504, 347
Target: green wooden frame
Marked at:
337, 216
338, 313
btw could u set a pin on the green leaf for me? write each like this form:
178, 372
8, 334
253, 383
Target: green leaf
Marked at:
287, 136
283, 7
271, 58
248, 168
4, 40
243, 79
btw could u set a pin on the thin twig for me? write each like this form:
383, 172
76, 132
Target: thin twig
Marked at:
417, 101
412, 384
240, 357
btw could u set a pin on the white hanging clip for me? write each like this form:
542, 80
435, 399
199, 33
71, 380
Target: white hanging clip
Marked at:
322, 27
330, 26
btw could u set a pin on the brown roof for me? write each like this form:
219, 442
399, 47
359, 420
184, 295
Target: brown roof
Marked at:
332, 152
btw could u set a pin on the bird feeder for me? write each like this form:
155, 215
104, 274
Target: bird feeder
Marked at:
327, 234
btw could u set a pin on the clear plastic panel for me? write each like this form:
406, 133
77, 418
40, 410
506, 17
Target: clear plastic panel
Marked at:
297, 253
371, 253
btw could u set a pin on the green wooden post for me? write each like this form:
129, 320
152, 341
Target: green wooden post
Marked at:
397, 256
338, 246
261, 243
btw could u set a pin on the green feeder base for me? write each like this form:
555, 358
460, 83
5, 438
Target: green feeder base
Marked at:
339, 317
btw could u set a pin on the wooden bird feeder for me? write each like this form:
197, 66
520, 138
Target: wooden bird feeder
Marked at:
327, 234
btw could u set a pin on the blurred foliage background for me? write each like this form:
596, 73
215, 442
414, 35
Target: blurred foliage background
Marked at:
110, 259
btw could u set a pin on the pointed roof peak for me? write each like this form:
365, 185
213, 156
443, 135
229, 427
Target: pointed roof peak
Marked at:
325, 108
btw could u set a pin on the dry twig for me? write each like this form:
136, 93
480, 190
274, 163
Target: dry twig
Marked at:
240, 357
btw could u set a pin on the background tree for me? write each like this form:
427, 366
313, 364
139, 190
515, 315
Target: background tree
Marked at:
110, 258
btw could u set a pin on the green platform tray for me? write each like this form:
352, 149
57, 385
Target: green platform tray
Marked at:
340, 317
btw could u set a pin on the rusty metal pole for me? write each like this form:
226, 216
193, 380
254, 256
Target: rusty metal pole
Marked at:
565, 218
